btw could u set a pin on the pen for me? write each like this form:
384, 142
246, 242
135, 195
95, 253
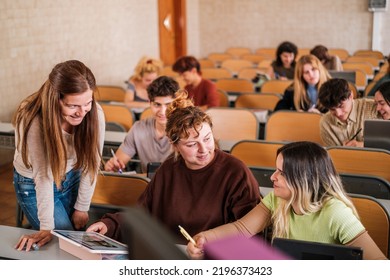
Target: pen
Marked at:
186, 235
113, 154
356, 134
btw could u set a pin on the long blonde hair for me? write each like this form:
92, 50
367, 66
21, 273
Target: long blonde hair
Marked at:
68, 78
182, 116
301, 99
313, 181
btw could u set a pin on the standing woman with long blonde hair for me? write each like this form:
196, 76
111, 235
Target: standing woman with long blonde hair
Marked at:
59, 133
309, 76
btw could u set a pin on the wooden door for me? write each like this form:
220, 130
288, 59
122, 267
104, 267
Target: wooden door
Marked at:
172, 30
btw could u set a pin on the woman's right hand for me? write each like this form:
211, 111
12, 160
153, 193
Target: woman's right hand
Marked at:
99, 227
34, 241
196, 252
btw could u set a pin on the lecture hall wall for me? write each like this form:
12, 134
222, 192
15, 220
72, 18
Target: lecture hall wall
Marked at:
110, 36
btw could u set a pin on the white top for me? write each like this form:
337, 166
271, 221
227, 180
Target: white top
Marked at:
43, 177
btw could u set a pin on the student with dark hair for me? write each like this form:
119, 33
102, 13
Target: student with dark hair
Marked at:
283, 67
330, 62
199, 186
147, 138
382, 100
308, 202
346, 115
202, 91
59, 133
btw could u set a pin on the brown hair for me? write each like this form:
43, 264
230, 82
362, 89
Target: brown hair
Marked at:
182, 116
67, 78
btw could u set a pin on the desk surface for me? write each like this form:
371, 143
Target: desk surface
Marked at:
9, 236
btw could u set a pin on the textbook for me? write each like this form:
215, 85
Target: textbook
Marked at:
90, 245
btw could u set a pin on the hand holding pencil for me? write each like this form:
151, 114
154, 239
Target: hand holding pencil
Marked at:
352, 142
116, 164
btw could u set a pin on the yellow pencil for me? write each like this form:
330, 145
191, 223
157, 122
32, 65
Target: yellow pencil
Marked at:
186, 235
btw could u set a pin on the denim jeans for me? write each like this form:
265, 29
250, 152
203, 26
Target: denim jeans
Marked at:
64, 199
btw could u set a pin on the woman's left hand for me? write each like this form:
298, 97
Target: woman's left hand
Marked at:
33, 241
80, 219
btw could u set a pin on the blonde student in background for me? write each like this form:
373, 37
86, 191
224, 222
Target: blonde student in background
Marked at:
145, 72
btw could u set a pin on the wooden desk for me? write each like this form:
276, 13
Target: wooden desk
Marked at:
9, 236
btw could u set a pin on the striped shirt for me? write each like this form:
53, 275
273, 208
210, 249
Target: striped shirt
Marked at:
334, 132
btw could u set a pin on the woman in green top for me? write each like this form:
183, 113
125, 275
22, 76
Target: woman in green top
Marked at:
308, 203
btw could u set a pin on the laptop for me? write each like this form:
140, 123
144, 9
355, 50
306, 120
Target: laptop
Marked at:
350, 76
147, 238
377, 134
306, 250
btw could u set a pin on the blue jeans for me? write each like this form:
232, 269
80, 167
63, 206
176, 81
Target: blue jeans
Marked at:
64, 199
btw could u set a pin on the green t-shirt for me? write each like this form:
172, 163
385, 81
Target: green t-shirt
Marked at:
334, 223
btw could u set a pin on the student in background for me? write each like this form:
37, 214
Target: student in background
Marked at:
145, 72
343, 124
283, 67
385, 78
199, 186
382, 100
202, 91
330, 62
59, 133
310, 74
147, 138
308, 202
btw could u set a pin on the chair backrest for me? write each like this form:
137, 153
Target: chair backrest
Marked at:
343, 54
375, 218
377, 54
216, 73
110, 93
375, 62
238, 51
114, 126
379, 75
118, 189
366, 184
217, 58
206, 63
259, 153
291, 126
354, 90
233, 123
223, 98
249, 73
146, 113
265, 63
235, 85
364, 66
258, 100
235, 65
368, 161
167, 71
119, 114
254, 58
269, 52
275, 86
